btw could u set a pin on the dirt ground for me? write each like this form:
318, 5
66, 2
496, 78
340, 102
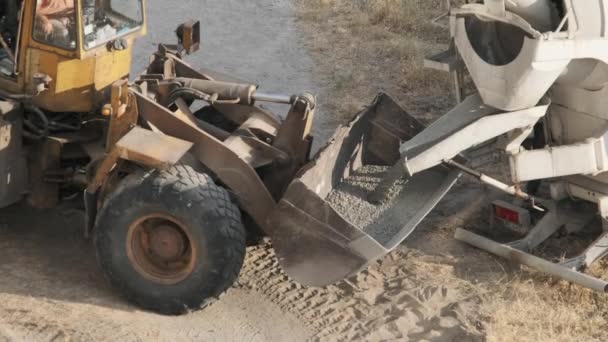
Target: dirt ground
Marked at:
51, 288
431, 288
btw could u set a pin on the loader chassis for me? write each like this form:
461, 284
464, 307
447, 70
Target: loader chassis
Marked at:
263, 140
170, 194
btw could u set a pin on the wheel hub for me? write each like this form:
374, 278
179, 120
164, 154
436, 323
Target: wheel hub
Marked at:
167, 242
161, 249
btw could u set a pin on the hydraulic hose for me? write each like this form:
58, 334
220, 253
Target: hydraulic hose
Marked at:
39, 132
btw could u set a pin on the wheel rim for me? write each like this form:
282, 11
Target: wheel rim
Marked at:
161, 249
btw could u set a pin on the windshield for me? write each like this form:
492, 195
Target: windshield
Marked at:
106, 20
55, 23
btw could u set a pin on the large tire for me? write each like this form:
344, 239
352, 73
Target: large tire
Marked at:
171, 241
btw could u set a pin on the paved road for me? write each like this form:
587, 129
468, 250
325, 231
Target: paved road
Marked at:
253, 40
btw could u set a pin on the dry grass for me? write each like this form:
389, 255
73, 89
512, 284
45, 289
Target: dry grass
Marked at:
406, 16
362, 46
527, 309
366, 46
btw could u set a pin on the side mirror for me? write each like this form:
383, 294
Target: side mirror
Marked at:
189, 36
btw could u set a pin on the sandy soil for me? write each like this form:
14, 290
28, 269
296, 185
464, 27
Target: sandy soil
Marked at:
418, 292
431, 288
51, 288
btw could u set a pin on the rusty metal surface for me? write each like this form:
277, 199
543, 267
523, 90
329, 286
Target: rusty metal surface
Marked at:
258, 125
292, 138
190, 36
166, 64
233, 171
140, 146
236, 113
249, 148
161, 249
239, 114
123, 114
315, 244
373, 137
103, 171
254, 151
152, 149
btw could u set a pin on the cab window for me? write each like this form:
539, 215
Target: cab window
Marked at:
107, 20
9, 33
55, 23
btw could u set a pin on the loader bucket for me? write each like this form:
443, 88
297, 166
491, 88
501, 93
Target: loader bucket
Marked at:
315, 244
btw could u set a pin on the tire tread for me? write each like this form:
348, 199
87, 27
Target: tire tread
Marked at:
200, 191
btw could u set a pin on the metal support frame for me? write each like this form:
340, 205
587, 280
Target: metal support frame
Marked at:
575, 154
546, 227
530, 260
597, 250
449, 61
468, 125
559, 214
556, 161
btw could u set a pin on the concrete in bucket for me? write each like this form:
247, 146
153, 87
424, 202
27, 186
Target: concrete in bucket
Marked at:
315, 244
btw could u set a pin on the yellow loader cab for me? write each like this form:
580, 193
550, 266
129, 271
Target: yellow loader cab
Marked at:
75, 48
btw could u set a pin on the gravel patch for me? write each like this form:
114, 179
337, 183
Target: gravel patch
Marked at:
407, 205
350, 200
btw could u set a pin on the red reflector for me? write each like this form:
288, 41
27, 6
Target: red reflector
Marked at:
506, 214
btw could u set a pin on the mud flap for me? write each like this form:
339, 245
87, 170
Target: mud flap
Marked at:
316, 246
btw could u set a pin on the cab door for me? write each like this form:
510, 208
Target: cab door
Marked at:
11, 20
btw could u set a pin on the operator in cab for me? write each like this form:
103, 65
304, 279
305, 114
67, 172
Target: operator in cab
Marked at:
55, 22
9, 27
9, 21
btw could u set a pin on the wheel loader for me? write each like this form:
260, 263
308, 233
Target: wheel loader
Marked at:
177, 168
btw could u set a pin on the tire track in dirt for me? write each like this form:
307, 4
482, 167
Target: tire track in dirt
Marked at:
51, 288
393, 299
